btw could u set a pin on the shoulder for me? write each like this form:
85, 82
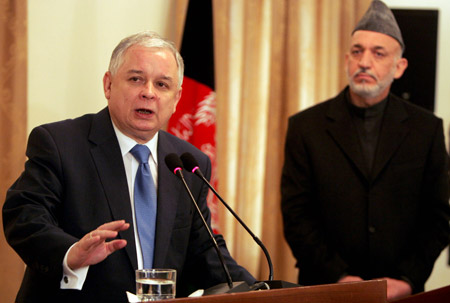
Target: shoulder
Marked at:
72, 134
71, 127
416, 114
317, 113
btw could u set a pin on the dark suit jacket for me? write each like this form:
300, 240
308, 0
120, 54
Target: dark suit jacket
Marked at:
75, 181
339, 219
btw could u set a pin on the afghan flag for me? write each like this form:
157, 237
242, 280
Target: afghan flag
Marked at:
195, 118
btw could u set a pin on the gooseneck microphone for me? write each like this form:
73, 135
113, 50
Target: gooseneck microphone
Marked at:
175, 165
191, 164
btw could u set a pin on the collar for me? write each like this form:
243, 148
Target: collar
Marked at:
126, 143
366, 112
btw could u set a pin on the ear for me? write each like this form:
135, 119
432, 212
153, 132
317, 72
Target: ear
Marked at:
401, 66
107, 84
178, 97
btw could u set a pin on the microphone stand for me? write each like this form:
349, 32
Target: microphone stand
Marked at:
220, 288
257, 240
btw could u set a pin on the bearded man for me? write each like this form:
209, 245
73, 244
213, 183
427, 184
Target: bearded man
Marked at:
364, 183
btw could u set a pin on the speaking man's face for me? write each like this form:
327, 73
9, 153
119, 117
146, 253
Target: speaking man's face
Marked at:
144, 92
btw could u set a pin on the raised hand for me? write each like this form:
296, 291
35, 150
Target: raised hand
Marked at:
93, 247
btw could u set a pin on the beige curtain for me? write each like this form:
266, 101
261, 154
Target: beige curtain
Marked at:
13, 117
273, 59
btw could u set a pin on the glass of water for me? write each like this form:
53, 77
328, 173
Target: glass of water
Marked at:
155, 284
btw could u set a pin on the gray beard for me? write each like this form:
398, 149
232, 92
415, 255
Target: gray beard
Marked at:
365, 90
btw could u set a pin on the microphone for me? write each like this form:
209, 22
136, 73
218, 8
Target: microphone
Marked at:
191, 164
175, 165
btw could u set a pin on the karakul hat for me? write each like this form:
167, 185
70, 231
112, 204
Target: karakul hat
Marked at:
379, 18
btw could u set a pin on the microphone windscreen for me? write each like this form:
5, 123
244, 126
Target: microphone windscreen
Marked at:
189, 162
173, 162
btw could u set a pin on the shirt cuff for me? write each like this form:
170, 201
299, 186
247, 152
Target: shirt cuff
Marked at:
73, 279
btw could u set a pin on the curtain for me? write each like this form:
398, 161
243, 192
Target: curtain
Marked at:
273, 59
13, 117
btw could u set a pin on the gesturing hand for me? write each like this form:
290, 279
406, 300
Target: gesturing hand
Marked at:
93, 248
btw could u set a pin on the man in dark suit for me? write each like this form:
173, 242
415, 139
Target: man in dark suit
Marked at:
70, 214
365, 183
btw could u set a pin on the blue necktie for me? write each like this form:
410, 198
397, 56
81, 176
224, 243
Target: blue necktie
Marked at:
145, 204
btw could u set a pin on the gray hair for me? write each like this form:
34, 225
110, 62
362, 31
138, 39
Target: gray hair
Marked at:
147, 39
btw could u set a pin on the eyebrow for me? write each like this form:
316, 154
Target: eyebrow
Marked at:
134, 71
140, 72
167, 78
376, 47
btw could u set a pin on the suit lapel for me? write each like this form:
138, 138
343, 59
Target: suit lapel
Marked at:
107, 157
393, 132
169, 188
344, 133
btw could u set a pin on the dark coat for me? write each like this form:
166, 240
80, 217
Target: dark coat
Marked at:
73, 182
339, 219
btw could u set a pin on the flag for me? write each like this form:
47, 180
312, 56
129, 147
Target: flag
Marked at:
195, 117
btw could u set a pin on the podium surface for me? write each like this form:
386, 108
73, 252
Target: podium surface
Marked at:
352, 292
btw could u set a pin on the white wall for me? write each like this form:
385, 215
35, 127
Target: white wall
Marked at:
69, 46
441, 273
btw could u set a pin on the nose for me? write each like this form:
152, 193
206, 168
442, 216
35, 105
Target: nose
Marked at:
148, 91
365, 60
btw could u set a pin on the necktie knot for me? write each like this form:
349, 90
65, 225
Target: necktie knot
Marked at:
141, 153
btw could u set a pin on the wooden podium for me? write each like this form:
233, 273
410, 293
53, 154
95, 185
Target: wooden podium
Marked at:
353, 292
